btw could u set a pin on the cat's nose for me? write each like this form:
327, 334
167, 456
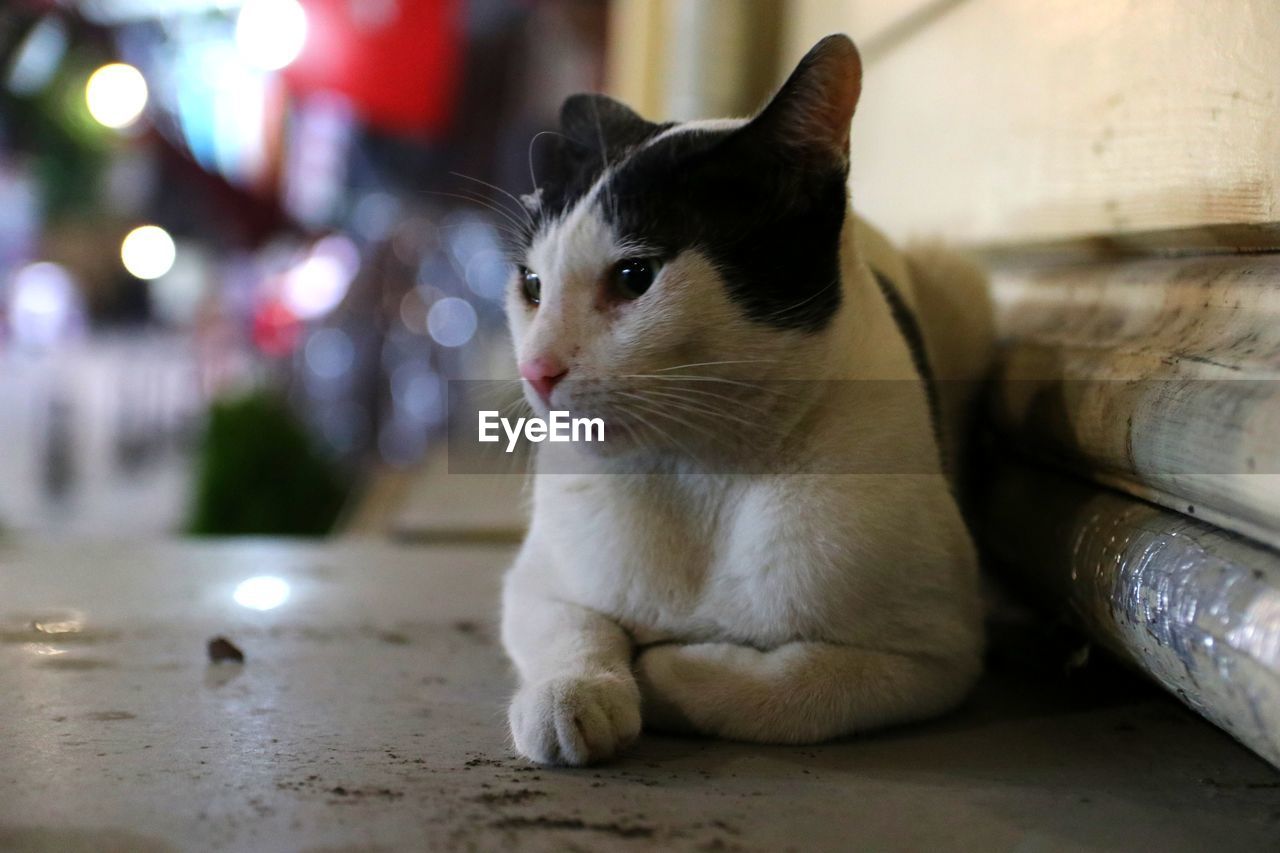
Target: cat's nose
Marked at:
543, 373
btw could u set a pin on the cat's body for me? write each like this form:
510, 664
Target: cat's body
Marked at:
803, 570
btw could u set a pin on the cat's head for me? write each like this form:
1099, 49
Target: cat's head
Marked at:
707, 248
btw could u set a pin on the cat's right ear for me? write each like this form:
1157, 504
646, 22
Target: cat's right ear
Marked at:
603, 125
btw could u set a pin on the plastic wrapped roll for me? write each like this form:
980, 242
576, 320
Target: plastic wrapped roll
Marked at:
1196, 608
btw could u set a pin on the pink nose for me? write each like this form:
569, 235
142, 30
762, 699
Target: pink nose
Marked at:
543, 373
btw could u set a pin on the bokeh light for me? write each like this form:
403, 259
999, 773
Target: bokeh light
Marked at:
148, 252
43, 304
270, 34
329, 353
416, 389
487, 274
264, 592
451, 321
116, 95
320, 282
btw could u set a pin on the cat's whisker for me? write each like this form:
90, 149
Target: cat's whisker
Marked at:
687, 378
715, 363
769, 388
647, 435
516, 406
510, 236
716, 396
634, 436
789, 311
533, 179
498, 225
680, 402
519, 205
481, 201
680, 422
661, 433
492, 385
513, 464
657, 409
517, 225
499, 389
509, 240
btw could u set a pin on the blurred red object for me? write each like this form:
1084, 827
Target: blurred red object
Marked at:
275, 329
399, 61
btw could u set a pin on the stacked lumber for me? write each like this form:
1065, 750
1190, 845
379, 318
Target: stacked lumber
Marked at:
1155, 377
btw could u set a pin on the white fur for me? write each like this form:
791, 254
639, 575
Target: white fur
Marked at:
783, 608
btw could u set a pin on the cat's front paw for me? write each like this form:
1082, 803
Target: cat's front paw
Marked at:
575, 720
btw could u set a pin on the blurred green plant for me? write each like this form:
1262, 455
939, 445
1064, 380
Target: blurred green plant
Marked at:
69, 149
259, 472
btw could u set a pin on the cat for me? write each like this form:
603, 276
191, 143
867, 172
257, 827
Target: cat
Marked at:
657, 586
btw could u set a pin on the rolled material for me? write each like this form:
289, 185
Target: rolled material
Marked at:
1209, 448
1196, 608
1157, 377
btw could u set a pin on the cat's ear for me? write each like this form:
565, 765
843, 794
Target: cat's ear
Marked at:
813, 109
595, 131
604, 125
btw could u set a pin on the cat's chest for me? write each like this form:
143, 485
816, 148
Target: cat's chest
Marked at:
688, 560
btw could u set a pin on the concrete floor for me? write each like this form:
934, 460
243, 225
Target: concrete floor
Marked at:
369, 715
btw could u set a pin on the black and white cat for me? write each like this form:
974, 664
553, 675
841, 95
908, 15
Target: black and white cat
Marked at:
806, 599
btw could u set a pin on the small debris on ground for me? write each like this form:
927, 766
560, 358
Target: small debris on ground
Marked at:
508, 798
620, 830
222, 650
359, 793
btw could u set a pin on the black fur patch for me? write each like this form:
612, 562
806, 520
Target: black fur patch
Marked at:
910, 330
768, 219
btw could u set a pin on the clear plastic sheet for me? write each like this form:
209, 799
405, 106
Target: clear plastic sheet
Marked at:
1196, 608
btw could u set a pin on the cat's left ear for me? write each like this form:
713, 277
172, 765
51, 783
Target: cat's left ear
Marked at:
603, 125
813, 109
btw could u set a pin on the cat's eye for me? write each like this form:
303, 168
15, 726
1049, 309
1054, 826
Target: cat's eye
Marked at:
530, 286
631, 277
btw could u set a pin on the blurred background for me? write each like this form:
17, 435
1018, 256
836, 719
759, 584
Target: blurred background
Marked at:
244, 243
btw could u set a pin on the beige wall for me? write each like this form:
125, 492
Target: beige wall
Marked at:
873, 24
1005, 121
685, 59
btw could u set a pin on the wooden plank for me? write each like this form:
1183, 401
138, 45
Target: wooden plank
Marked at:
1157, 377
1007, 121
1200, 310
1195, 608
1166, 243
